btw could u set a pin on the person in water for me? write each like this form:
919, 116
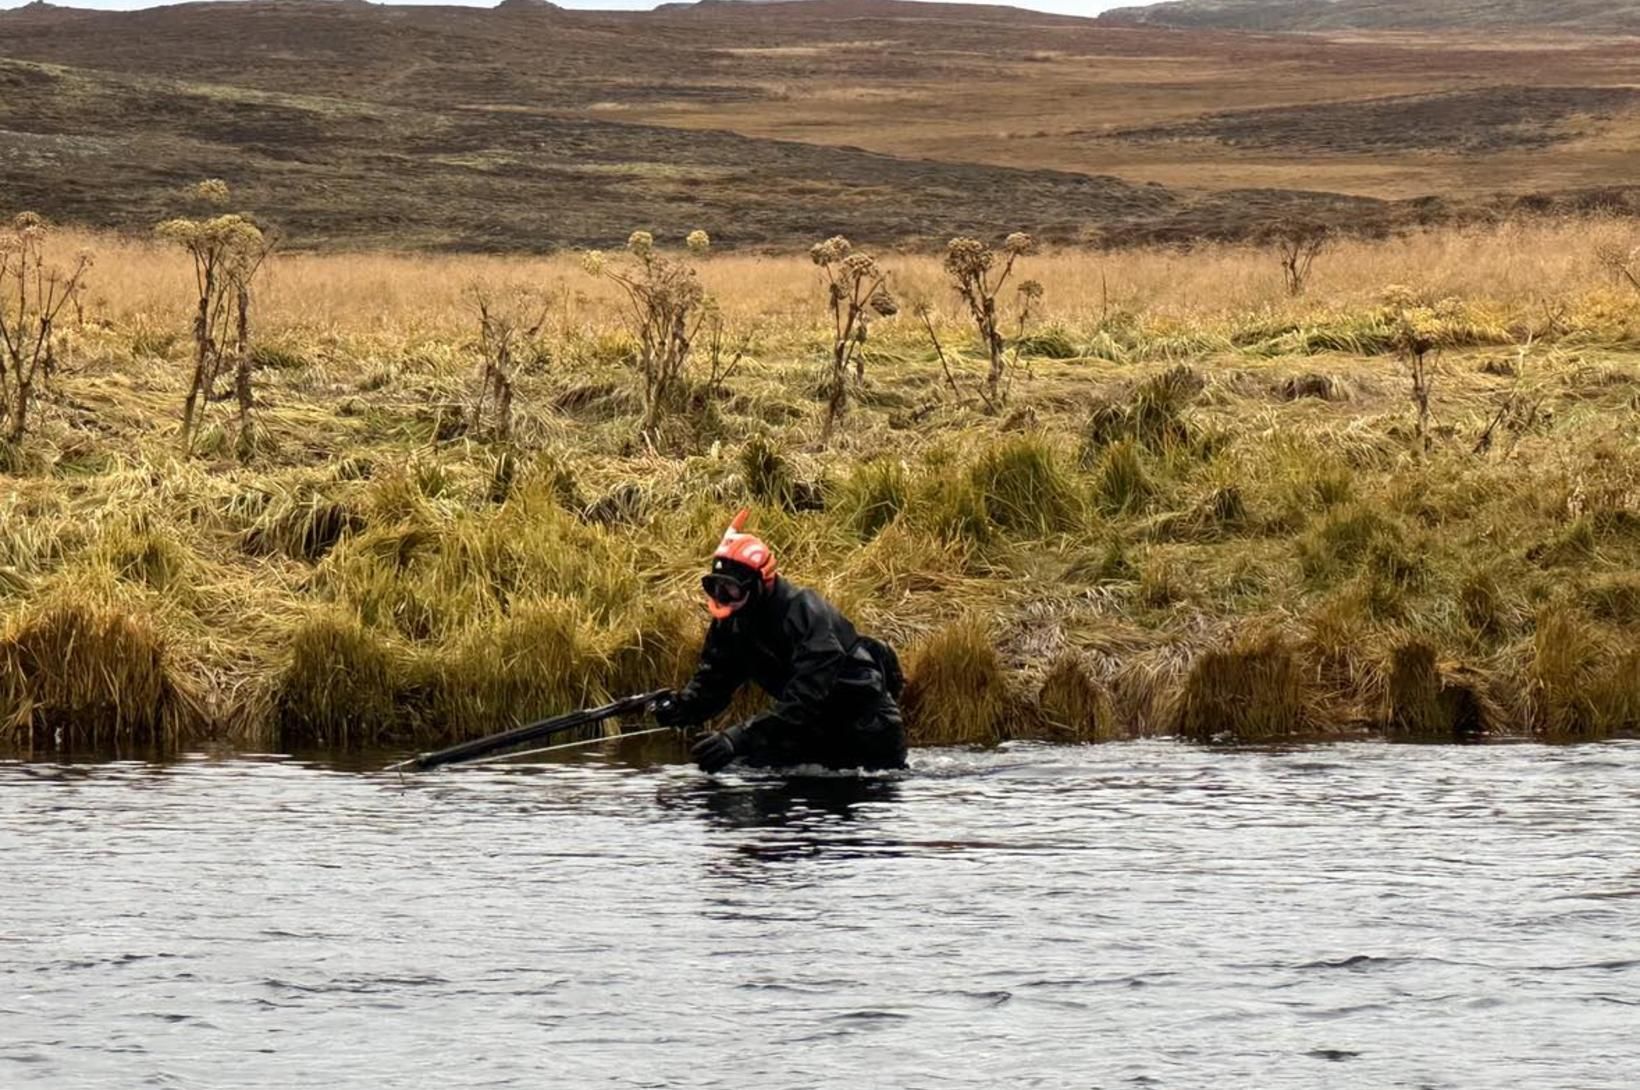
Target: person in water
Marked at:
833, 689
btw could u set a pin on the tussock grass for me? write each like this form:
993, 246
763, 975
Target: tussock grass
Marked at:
873, 496
1055, 342
956, 690
953, 508
1121, 484
1075, 705
542, 655
1312, 384
302, 529
1571, 546
1024, 488
145, 558
1102, 563
652, 647
1614, 598
341, 684
1155, 417
1583, 684
1484, 605
1252, 691
1432, 703
1209, 460
900, 565
1361, 540
92, 675
770, 478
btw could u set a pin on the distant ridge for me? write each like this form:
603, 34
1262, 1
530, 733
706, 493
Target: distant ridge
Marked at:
1324, 15
39, 11
866, 9
527, 126
840, 9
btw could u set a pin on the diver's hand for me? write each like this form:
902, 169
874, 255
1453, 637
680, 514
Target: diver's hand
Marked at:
669, 711
714, 752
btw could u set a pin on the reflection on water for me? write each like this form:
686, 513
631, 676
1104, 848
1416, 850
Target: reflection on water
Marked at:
1144, 915
776, 802
791, 818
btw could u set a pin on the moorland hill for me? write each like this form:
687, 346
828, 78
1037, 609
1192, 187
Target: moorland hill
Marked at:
1325, 15
530, 127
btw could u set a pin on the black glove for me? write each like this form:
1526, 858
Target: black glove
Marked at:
669, 711
714, 752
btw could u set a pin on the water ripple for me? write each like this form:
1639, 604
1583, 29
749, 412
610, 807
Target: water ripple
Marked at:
1356, 916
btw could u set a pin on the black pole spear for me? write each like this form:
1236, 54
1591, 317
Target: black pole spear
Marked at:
530, 732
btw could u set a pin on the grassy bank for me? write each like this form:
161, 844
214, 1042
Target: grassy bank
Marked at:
1204, 510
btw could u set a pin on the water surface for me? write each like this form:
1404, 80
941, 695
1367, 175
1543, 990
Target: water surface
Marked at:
1136, 915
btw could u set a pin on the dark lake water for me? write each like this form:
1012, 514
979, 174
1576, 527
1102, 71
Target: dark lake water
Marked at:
1147, 915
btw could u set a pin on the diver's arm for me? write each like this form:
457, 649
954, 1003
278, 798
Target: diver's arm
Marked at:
718, 676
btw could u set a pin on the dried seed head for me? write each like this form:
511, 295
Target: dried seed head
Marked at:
698, 242
212, 191
831, 251
967, 257
593, 262
184, 232
860, 266
1019, 243
1399, 297
236, 236
1031, 289
1451, 309
234, 240
640, 243
884, 304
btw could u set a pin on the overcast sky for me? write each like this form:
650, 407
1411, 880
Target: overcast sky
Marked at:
1068, 7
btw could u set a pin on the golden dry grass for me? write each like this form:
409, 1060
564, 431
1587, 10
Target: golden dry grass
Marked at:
1516, 265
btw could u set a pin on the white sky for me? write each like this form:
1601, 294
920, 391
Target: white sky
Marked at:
1067, 7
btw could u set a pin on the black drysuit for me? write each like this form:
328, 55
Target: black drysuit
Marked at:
832, 704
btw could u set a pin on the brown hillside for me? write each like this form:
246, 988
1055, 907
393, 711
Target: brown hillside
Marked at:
1325, 15
530, 126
